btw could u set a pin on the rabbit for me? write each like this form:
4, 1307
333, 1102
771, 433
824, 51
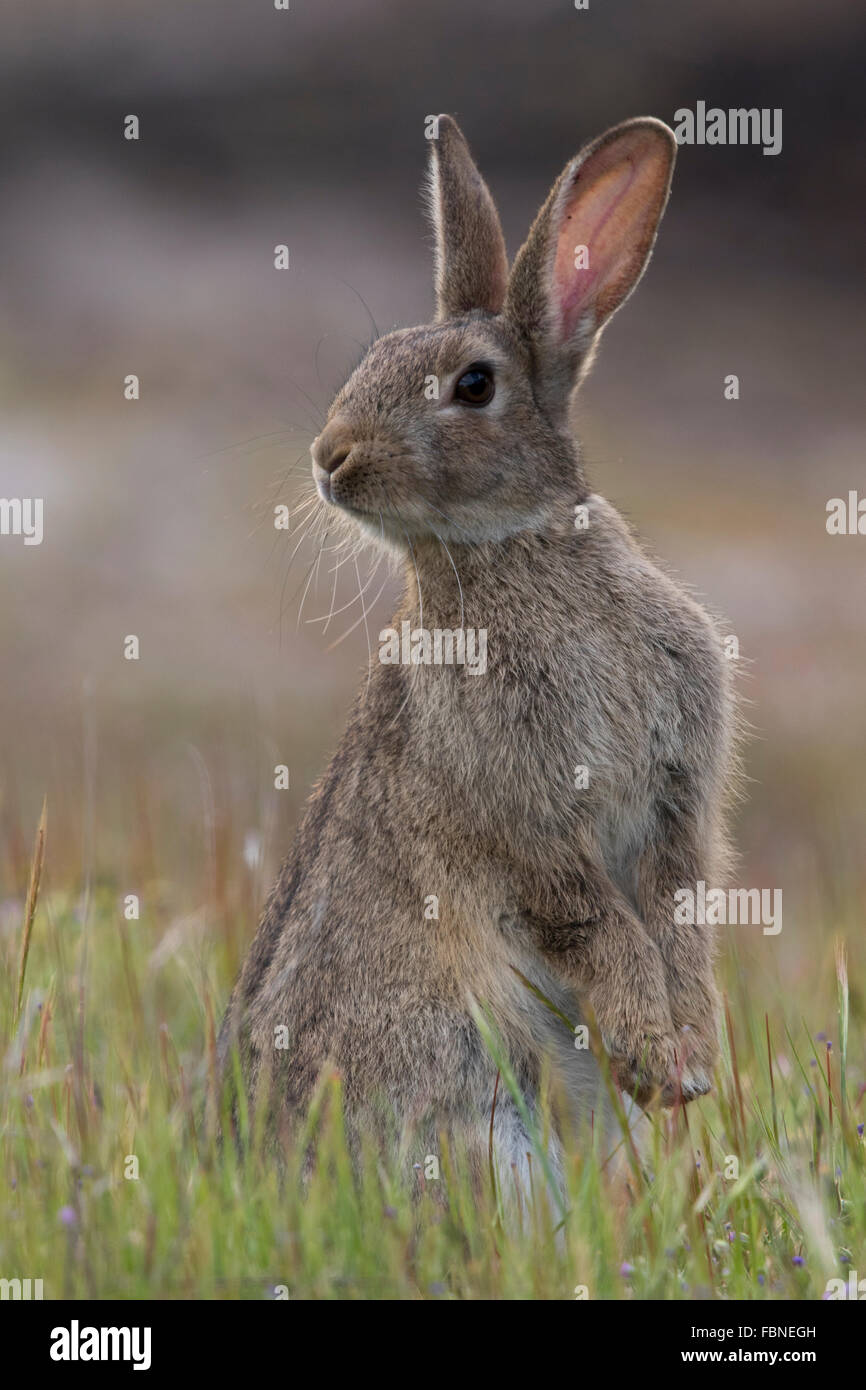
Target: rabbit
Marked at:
450, 866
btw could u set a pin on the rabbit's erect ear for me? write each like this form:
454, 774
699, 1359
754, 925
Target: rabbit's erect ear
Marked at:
471, 265
589, 247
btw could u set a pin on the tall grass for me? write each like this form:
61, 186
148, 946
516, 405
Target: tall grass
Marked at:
115, 1186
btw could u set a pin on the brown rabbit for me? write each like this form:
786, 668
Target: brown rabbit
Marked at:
450, 844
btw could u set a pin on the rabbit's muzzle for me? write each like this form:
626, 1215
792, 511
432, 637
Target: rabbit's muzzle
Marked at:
329, 452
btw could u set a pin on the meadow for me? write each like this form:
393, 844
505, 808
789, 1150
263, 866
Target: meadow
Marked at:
115, 1184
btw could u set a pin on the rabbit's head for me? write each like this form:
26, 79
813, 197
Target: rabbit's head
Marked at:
460, 429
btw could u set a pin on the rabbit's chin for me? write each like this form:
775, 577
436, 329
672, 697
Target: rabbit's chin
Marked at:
399, 533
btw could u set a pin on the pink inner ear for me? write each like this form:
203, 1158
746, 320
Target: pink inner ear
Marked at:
612, 212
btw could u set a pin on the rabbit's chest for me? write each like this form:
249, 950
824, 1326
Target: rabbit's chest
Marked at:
581, 738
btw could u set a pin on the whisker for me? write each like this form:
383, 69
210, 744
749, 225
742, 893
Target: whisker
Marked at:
447, 518
267, 510
318, 412
335, 613
412, 553
323, 338
358, 295
366, 632
276, 443
313, 576
308, 527
420, 602
456, 575
254, 439
333, 600
305, 528
357, 542
305, 506
417, 575
358, 621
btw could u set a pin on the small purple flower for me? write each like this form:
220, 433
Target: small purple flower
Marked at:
761, 1280
798, 1260
626, 1270
860, 1130
389, 1213
822, 1037
437, 1290
67, 1217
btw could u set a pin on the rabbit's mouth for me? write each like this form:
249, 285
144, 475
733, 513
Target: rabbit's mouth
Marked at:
370, 522
323, 487
322, 480
331, 489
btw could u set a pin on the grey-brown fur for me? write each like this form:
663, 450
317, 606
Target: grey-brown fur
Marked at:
463, 786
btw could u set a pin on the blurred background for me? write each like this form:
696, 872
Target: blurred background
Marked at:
156, 257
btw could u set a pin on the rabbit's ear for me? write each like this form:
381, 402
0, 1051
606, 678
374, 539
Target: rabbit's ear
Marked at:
471, 269
589, 247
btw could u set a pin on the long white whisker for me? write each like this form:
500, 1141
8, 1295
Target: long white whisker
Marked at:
417, 575
447, 518
456, 575
309, 528
420, 602
335, 613
366, 632
305, 506
333, 600
357, 546
306, 527
358, 621
313, 575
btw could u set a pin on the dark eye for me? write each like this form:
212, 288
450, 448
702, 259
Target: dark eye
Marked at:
475, 387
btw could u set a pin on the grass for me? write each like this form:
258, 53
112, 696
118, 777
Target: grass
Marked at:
114, 1185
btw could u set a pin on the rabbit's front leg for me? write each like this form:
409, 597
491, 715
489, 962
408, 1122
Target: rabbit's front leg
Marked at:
607, 955
671, 863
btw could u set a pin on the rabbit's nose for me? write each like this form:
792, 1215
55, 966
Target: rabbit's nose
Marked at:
329, 451
330, 462
333, 445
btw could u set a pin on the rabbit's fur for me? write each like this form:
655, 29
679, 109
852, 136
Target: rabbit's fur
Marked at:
463, 785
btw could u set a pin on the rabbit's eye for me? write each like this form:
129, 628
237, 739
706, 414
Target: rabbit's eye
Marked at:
475, 387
